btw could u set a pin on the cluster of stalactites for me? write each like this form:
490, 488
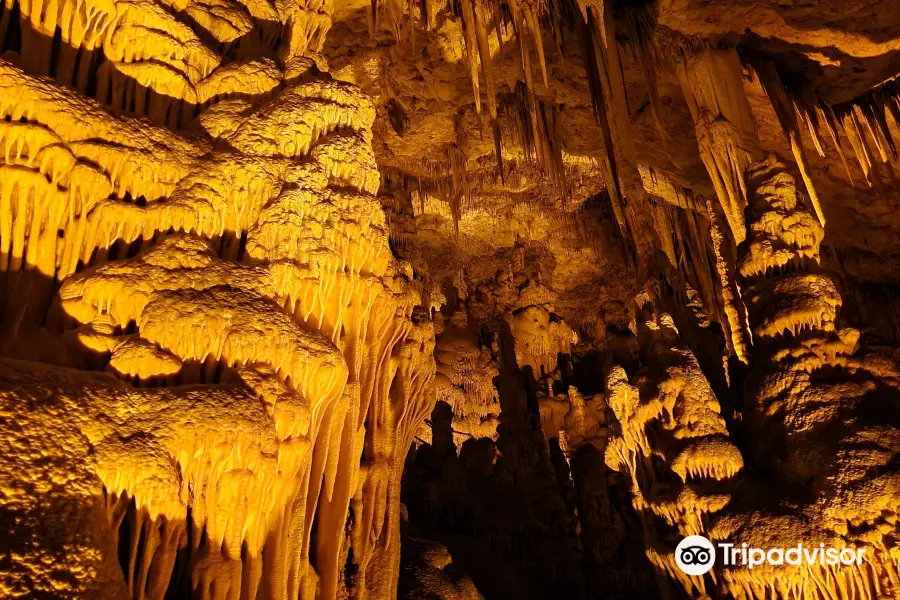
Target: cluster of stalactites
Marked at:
785, 110
536, 128
726, 129
153, 62
726, 132
610, 101
870, 123
482, 21
478, 17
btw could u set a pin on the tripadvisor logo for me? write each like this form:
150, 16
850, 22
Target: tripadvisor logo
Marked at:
696, 555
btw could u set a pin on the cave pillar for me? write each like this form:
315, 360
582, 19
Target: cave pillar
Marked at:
816, 411
793, 309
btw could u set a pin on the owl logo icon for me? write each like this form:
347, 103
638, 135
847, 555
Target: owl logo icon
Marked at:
695, 555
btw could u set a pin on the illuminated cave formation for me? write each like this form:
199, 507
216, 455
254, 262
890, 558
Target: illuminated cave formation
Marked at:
455, 299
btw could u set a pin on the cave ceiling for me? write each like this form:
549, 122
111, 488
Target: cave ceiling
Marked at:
419, 75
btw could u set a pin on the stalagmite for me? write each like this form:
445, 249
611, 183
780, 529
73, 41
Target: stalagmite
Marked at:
672, 445
737, 329
808, 387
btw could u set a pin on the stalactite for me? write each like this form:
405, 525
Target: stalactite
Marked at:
526, 27
609, 161
831, 123
851, 127
702, 269
469, 36
479, 22
736, 333
863, 121
641, 22
784, 105
536, 129
534, 29
498, 147
476, 15
517, 108
460, 182
807, 106
666, 230
521, 32
612, 84
724, 124
607, 86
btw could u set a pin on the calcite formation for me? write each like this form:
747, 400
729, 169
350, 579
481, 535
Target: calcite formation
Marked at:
671, 439
464, 381
237, 275
814, 393
475, 299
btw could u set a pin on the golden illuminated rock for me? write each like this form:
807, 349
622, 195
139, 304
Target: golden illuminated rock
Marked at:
671, 440
464, 380
811, 393
252, 259
476, 299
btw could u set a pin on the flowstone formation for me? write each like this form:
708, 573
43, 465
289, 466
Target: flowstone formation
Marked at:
672, 442
266, 365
